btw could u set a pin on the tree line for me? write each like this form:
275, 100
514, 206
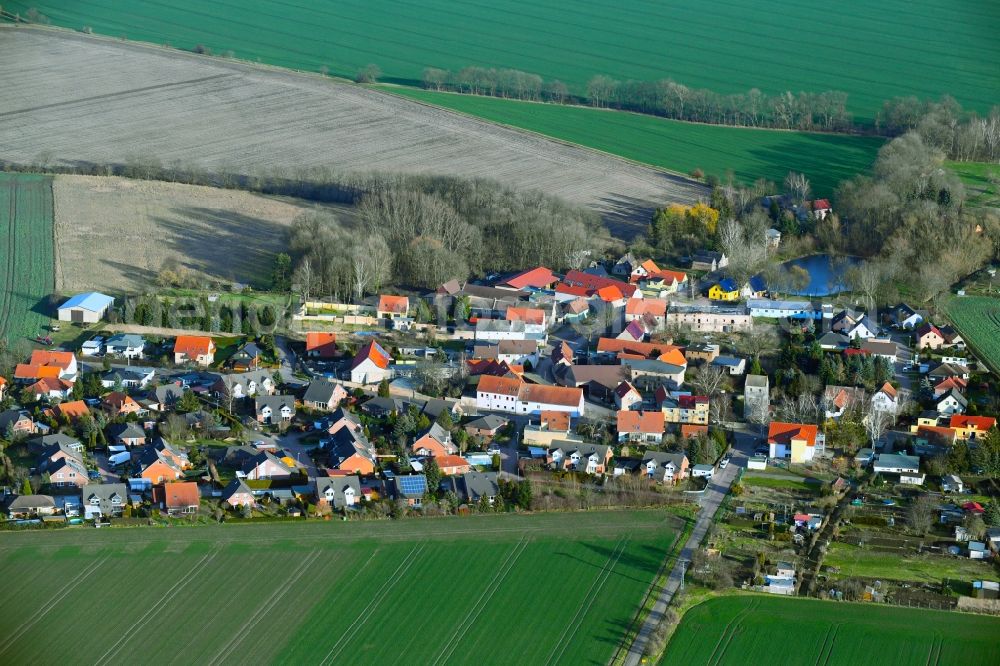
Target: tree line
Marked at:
817, 111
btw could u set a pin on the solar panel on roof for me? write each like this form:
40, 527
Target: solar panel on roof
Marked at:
413, 485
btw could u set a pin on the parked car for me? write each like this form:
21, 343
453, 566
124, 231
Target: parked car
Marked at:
493, 450
724, 464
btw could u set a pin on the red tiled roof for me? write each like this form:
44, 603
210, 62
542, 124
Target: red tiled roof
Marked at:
73, 409
573, 290
610, 293
527, 315
451, 461
929, 328
181, 494
644, 422
193, 345
537, 277
554, 420
654, 307
499, 385
889, 390
821, 204
596, 282
689, 430
664, 352
56, 358
550, 395
691, 401
320, 342
937, 433
980, 423
394, 304
373, 350
782, 433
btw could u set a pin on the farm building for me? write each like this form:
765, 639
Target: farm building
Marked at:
85, 308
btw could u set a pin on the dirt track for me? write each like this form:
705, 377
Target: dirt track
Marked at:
75, 98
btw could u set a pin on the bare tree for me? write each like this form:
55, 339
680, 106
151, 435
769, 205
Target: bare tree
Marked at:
867, 279
304, 277
379, 260
876, 423
757, 341
797, 185
708, 380
361, 275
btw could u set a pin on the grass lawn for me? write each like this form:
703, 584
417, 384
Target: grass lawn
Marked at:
979, 179
27, 276
855, 561
870, 51
682, 147
810, 485
742, 630
552, 588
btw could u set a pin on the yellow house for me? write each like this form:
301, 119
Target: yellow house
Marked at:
725, 290
925, 419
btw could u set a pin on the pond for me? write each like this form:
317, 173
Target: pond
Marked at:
827, 275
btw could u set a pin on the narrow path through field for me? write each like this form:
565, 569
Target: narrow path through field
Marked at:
264, 609
366, 613
153, 610
52, 603
484, 598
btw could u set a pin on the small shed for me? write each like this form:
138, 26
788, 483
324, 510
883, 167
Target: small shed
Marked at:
757, 462
977, 550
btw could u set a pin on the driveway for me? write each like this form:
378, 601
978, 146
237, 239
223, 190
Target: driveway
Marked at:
108, 475
710, 501
287, 361
292, 443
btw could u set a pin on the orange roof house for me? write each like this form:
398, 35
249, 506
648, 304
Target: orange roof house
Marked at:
658, 350
45, 363
450, 464
527, 315
392, 307
119, 404
635, 426
181, 497
322, 345
370, 364
967, 427
51, 387
71, 410
645, 307
3, 387
199, 349
506, 386
796, 441
559, 421
690, 431
536, 278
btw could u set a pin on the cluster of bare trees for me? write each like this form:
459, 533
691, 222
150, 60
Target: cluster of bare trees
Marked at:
424, 231
943, 125
911, 211
334, 262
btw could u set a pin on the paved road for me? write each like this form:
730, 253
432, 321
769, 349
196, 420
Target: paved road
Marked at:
287, 360
710, 501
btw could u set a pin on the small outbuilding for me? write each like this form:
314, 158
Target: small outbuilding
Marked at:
88, 308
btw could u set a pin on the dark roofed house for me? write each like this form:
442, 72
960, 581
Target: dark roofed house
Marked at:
29, 506
339, 492
472, 486
486, 426
105, 500
324, 395
410, 488
128, 434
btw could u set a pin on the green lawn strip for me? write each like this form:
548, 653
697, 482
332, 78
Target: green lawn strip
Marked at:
866, 563
979, 179
740, 630
677, 146
872, 52
809, 484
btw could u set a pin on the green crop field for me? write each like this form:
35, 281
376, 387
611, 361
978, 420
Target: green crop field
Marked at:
26, 255
872, 51
977, 318
555, 588
770, 630
677, 146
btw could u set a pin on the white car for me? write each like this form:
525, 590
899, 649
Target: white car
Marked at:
724, 464
493, 450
